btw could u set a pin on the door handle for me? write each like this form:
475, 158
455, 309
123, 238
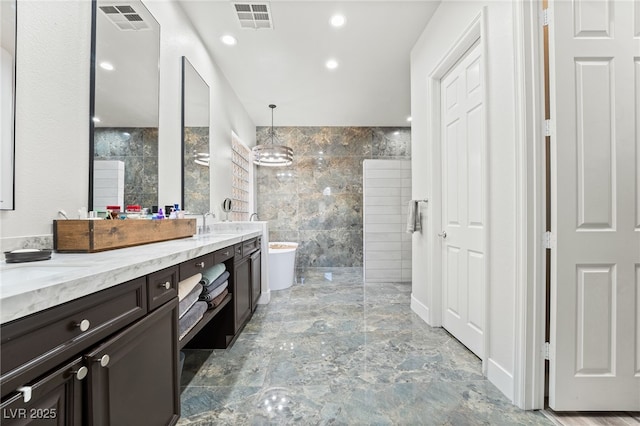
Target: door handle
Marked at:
443, 234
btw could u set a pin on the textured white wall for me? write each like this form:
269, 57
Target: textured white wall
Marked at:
445, 28
52, 109
227, 113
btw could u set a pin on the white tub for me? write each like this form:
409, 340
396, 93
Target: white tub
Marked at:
282, 257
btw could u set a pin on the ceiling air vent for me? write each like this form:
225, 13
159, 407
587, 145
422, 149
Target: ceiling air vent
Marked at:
254, 15
125, 17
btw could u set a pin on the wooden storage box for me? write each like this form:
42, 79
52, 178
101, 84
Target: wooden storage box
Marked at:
89, 236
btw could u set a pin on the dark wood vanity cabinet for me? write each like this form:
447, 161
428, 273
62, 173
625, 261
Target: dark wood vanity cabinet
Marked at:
247, 280
256, 278
103, 359
241, 292
111, 357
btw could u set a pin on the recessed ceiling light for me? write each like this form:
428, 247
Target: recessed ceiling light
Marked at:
409, 119
106, 66
96, 120
332, 64
229, 40
338, 20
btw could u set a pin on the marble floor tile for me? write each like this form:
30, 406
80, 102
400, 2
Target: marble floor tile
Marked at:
333, 350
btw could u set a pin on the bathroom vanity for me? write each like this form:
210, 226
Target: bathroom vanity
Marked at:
92, 339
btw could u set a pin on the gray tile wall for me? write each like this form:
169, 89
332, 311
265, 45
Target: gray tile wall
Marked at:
196, 176
138, 148
317, 201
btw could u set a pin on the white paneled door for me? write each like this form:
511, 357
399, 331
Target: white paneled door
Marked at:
463, 201
595, 266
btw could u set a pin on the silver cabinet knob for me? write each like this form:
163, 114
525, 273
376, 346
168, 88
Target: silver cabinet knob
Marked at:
83, 325
166, 285
103, 360
200, 265
81, 372
443, 234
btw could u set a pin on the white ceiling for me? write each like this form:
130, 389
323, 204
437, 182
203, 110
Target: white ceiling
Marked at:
286, 65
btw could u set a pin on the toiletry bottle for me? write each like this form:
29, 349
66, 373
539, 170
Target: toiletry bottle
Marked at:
160, 214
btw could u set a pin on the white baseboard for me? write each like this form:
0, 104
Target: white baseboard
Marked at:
501, 378
265, 297
420, 309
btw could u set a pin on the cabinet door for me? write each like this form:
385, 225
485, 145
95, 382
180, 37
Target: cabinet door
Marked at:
133, 377
55, 399
241, 292
256, 279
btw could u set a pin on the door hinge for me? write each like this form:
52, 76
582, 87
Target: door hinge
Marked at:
545, 17
547, 128
547, 351
548, 240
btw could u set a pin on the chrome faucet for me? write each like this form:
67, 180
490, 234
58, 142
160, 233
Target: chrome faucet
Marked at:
252, 216
205, 228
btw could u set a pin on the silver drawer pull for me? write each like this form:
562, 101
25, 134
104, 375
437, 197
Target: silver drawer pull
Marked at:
200, 265
81, 372
226, 253
103, 360
26, 392
166, 285
83, 325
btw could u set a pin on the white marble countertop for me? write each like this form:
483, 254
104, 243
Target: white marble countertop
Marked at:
26, 288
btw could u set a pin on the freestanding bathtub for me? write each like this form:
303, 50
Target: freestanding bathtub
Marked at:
282, 257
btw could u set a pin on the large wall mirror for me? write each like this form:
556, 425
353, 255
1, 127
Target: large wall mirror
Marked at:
125, 107
195, 141
7, 103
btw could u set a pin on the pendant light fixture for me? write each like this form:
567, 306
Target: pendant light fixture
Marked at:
272, 155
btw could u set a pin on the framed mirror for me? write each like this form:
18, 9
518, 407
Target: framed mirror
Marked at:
124, 108
8, 19
195, 141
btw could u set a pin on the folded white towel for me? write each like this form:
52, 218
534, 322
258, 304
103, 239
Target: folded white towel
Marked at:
413, 217
185, 286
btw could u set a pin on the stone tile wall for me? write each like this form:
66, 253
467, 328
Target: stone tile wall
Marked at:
138, 148
317, 201
197, 192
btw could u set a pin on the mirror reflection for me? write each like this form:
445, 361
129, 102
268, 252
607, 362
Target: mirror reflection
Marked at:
195, 141
124, 128
7, 102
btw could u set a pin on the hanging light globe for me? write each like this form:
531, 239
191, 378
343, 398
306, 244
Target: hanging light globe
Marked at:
272, 154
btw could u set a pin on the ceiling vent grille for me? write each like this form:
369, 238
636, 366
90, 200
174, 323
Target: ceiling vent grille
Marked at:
125, 17
254, 15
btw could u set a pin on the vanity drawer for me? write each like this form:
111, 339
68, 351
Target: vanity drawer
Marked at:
223, 254
195, 266
250, 246
33, 345
162, 287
